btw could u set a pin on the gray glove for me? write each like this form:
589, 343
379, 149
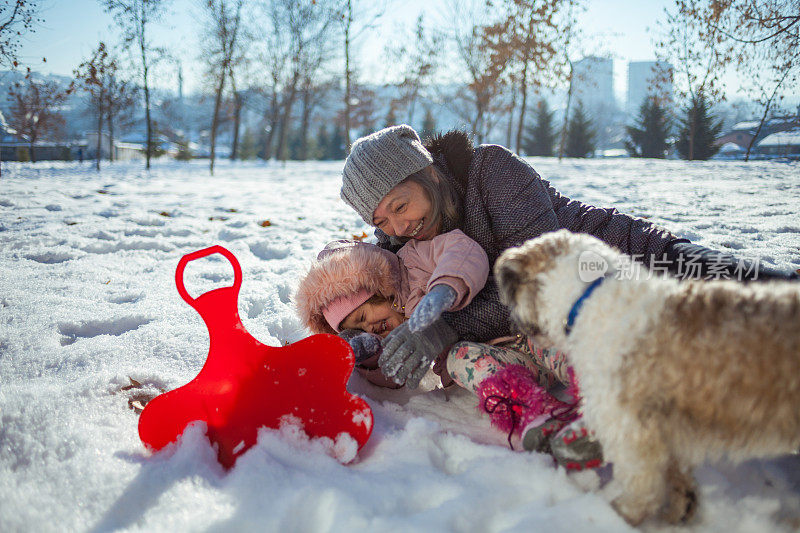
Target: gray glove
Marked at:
365, 345
407, 356
440, 298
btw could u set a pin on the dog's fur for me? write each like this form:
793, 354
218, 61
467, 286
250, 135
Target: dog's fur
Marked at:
671, 373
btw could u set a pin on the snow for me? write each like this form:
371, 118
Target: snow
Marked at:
88, 299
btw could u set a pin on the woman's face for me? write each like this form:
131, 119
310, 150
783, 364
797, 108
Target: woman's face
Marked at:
406, 211
378, 318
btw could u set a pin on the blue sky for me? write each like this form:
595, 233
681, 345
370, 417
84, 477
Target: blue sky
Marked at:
71, 29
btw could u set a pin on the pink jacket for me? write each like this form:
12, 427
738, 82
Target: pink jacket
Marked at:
451, 258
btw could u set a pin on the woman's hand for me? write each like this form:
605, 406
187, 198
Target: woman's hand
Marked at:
440, 298
407, 356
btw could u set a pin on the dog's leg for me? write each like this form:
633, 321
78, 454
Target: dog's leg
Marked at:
640, 459
681, 496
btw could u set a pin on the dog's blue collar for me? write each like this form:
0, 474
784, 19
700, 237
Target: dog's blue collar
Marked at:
576, 307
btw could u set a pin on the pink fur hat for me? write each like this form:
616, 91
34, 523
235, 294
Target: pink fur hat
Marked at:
343, 274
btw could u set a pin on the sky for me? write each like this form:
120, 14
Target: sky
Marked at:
71, 29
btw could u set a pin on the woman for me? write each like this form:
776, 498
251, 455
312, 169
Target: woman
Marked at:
410, 191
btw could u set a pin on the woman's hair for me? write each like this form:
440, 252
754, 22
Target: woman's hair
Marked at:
377, 299
443, 196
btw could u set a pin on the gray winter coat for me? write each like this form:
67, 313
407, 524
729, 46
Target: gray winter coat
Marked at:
505, 203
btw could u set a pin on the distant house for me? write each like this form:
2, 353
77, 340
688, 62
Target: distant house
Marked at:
743, 132
782, 143
123, 151
740, 134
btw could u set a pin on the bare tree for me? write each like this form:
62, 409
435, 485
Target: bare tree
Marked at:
530, 37
134, 18
761, 38
313, 94
356, 16
273, 57
224, 20
308, 23
693, 55
480, 65
415, 58
34, 109
121, 98
17, 17
95, 75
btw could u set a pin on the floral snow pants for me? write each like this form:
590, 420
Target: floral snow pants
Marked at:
469, 363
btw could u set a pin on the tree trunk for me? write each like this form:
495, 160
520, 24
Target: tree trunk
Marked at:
510, 127
272, 121
111, 154
215, 119
692, 127
523, 109
143, 49
562, 144
767, 107
237, 121
286, 119
412, 105
304, 123
347, 23
99, 132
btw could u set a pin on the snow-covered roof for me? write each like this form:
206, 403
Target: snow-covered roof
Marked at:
746, 125
731, 147
782, 138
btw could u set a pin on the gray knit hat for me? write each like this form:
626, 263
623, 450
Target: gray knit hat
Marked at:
377, 163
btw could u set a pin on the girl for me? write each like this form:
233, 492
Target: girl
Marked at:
364, 292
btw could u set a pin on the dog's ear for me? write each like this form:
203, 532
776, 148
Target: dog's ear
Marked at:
509, 274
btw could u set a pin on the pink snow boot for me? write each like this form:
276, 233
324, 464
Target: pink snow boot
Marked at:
513, 399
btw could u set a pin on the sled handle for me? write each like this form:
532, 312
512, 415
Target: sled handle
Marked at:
237, 269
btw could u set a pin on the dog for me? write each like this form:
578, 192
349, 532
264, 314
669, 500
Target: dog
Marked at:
672, 373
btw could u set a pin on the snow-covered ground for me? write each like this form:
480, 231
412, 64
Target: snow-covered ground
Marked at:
88, 299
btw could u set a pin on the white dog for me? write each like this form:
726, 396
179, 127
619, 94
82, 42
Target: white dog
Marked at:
671, 373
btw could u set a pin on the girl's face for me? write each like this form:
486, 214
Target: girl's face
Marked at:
373, 317
405, 211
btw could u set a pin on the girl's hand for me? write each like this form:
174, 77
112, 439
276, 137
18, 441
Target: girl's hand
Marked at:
365, 345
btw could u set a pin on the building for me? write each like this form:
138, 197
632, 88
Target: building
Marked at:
782, 143
593, 83
593, 87
643, 82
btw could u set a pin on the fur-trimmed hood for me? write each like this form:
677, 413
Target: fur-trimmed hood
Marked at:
453, 150
343, 268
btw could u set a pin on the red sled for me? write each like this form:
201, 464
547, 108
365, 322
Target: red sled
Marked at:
245, 385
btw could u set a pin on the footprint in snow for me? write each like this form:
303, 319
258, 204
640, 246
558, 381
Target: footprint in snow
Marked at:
50, 257
266, 251
72, 331
111, 247
126, 298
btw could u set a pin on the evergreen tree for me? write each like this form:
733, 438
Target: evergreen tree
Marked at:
698, 131
323, 142
580, 136
540, 138
391, 117
336, 148
248, 149
648, 138
428, 124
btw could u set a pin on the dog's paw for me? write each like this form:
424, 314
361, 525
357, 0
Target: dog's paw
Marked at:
682, 501
633, 512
